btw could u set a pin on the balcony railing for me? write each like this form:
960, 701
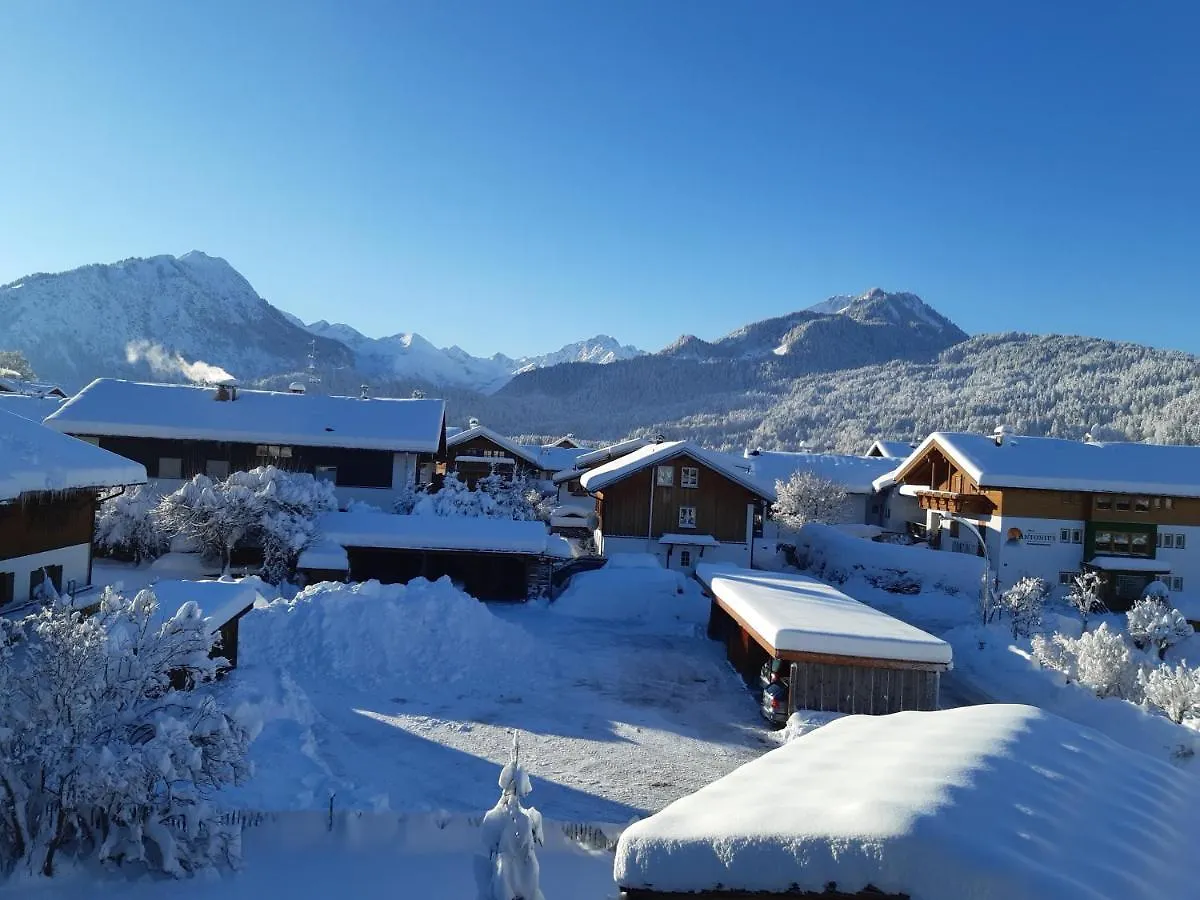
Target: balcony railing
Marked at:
956, 503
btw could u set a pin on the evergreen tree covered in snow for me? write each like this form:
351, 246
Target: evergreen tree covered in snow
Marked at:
100, 755
1175, 690
1155, 624
511, 834
1023, 603
14, 361
807, 497
1084, 596
127, 526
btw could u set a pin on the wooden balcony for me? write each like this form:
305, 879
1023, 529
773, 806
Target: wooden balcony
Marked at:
954, 503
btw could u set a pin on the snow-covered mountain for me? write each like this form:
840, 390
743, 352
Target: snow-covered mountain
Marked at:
194, 317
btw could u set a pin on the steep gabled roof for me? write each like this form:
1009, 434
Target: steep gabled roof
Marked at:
891, 449
521, 452
1057, 464
113, 407
34, 458
652, 454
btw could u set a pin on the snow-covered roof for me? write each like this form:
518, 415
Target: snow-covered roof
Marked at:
10, 384
35, 409
690, 540
594, 458
527, 454
418, 532
556, 459
324, 554
219, 600
799, 614
1056, 464
731, 467
980, 801
34, 458
896, 450
110, 406
855, 473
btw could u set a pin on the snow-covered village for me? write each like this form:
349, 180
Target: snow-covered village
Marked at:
841, 592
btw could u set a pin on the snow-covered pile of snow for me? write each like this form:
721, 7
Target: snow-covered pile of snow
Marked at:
420, 636
634, 588
986, 802
835, 556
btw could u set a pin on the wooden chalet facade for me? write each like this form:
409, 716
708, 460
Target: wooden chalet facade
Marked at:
678, 502
1052, 508
478, 452
48, 502
369, 449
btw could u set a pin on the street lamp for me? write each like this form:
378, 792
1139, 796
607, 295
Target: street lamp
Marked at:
986, 588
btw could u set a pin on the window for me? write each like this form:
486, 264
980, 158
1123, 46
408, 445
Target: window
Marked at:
38, 577
1120, 542
1067, 578
170, 467
1103, 502
1168, 541
685, 558
1177, 583
1141, 544
664, 476
217, 469
1158, 502
1180, 542
1158, 539
1121, 504
687, 517
689, 477
1076, 535
758, 521
1169, 502
1104, 540
1141, 504
1064, 535
326, 473
8, 586
262, 450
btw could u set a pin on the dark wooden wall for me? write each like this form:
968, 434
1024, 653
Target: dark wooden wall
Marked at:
46, 522
485, 576
826, 687
624, 507
355, 468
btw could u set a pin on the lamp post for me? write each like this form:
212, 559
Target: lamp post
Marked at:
985, 588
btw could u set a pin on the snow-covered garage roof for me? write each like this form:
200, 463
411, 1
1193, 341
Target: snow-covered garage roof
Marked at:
982, 801
1056, 464
652, 454
855, 473
34, 458
803, 615
113, 407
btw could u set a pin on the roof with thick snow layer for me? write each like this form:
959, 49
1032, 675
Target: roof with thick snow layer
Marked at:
110, 406
980, 801
219, 600
418, 532
17, 385
35, 409
1057, 464
731, 467
556, 459
803, 615
34, 458
601, 455
520, 451
855, 473
896, 450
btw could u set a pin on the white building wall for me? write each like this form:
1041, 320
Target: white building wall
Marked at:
73, 559
1040, 552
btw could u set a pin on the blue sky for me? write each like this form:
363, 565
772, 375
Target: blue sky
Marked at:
510, 175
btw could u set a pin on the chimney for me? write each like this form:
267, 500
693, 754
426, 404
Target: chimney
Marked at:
362, 392
222, 393
472, 422
296, 388
1000, 434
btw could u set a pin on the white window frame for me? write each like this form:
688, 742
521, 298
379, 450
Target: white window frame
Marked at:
687, 517
664, 476
1168, 541
1064, 535
1180, 541
1066, 578
163, 459
1076, 535
1177, 583
689, 477
685, 557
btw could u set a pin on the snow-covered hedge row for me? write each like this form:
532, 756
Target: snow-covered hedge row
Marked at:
100, 755
494, 497
835, 556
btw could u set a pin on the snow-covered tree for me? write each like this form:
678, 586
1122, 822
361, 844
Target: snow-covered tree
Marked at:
495, 496
511, 834
215, 515
1100, 660
1156, 625
1023, 603
127, 526
1084, 595
1173, 689
406, 499
807, 497
100, 754
14, 361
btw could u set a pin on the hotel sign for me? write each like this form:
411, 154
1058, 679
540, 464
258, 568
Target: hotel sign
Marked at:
1031, 538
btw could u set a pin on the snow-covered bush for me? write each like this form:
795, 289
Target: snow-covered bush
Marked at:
1084, 596
495, 497
1100, 660
1173, 689
265, 507
807, 497
406, 499
511, 834
127, 526
1157, 625
1023, 602
100, 755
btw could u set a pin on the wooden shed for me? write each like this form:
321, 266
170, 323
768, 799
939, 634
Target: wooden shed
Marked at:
842, 655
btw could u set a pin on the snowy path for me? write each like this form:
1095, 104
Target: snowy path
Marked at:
632, 721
